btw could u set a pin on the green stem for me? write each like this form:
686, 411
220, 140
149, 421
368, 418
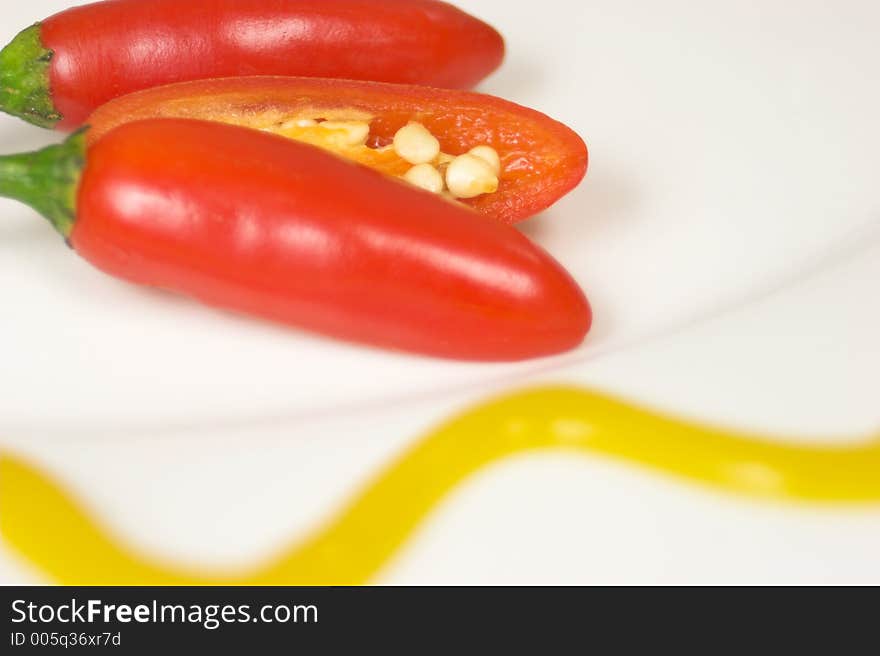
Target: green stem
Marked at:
24, 79
47, 180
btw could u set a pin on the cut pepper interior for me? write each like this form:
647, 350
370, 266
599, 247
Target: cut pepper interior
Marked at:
501, 159
412, 154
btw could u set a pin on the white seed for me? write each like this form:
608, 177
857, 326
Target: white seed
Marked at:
352, 133
415, 144
488, 155
469, 176
425, 177
298, 123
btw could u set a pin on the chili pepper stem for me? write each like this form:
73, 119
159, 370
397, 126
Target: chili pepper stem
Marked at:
24, 79
47, 180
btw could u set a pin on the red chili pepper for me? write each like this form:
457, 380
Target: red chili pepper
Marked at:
541, 159
277, 229
56, 72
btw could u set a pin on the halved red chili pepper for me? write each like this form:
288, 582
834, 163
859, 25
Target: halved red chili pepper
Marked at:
263, 225
540, 158
56, 72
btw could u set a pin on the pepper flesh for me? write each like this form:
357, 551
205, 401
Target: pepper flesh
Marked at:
541, 159
258, 224
107, 49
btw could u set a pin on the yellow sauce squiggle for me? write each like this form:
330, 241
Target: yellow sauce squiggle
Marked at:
44, 524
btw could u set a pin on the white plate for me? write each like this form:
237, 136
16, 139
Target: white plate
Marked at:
733, 151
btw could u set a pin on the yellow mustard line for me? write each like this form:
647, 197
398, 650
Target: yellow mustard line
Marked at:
49, 529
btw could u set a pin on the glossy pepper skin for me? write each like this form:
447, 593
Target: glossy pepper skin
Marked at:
106, 49
261, 225
541, 158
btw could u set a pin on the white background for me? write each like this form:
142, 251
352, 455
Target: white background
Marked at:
728, 235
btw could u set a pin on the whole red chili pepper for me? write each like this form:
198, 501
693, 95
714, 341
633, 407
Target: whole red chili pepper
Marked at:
540, 158
56, 72
262, 225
